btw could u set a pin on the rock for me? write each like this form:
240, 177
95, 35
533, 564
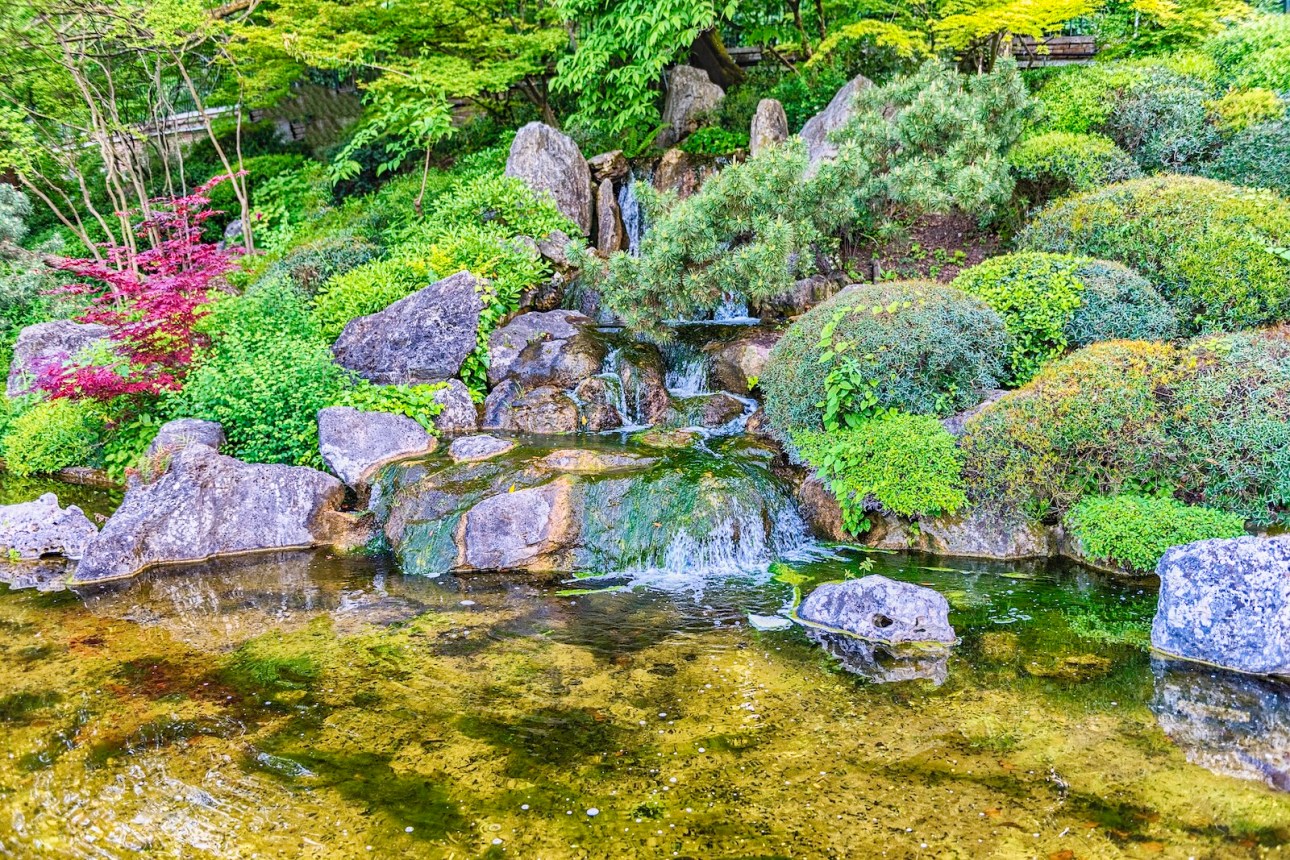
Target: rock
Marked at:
666, 439
597, 410
355, 444
182, 432
47, 574
738, 362
583, 461
206, 505
690, 95
470, 449
544, 410
459, 414
549, 162
821, 510
32, 530
1227, 602
555, 247
609, 165
818, 128
421, 338
49, 343
766, 623
545, 295
880, 610
678, 173
806, 294
520, 530
769, 126
705, 410
955, 425
983, 533
643, 375
545, 348
610, 235
884, 664
890, 532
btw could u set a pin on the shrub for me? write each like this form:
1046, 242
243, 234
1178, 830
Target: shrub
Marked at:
504, 203
1051, 302
712, 142
908, 464
312, 264
1058, 163
1134, 531
418, 402
367, 289
1162, 120
1078, 100
1256, 157
1256, 54
917, 347
1208, 246
53, 435
15, 209
1240, 109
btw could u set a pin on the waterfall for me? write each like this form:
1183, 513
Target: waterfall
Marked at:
629, 206
687, 372
731, 310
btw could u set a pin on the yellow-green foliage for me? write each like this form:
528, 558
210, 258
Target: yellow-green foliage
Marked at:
1059, 162
418, 402
370, 288
1133, 532
1240, 109
52, 435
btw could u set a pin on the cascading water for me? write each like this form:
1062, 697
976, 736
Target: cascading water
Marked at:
687, 371
629, 408
732, 309
629, 207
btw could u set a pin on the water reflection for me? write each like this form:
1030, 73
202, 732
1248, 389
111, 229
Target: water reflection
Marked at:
883, 664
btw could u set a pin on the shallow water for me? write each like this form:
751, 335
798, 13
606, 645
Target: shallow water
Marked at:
309, 706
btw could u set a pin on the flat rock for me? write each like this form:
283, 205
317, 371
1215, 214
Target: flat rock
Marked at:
206, 505
519, 530
545, 348
470, 449
690, 95
550, 163
880, 610
839, 111
769, 126
1227, 602
421, 338
33, 530
459, 414
57, 342
182, 432
584, 461
354, 444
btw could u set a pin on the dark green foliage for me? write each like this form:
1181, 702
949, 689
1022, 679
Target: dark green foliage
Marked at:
915, 347
259, 168
312, 264
1058, 163
367, 289
1162, 119
1256, 54
1118, 303
1209, 247
711, 141
1257, 157
908, 464
1133, 532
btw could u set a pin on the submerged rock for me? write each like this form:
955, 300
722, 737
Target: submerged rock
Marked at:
550, 163
421, 338
582, 461
355, 444
769, 126
44, 343
182, 432
881, 610
469, 449
766, 623
839, 111
207, 504
33, 530
690, 95
1227, 603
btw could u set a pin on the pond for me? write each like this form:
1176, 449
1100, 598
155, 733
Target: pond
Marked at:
306, 705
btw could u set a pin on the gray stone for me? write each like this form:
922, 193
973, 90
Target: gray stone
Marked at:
470, 449
550, 163
609, 221
545, 348
520, 530
582, 461
183, 432
544, 410
420, 338
841, 109
354, 444
769, 127
459, 414
985, 533
956, 424
206, 505
597, 410
690, 95
742, 359
806, 294
57, 342
31, 530
1227, 602
880, 610
555, 248
609, 165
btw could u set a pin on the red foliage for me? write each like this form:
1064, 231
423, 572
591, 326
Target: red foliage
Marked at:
151, 300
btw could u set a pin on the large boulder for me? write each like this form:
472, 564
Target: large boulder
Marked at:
458, 413
206, 505
421, 338
355, 444
182, 432
690, 94
737, 363
47, 343
985, 533
818, 128
545, 410
33, 530
679, 173
524, 530
609, 165
769, 127
880, 610
610, 235
557, 348
549, 162
1227, 602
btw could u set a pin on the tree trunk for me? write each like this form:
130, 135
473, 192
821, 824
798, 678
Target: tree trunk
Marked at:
709, 53
819, 20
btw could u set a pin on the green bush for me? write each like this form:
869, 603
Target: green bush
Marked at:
908, 464
1051, 302
418, 402
1163, 121
52, 435
503, 203
1208, 247
711, 141
1239, 109
1058, 163
1079, 99
916, 347
1133, 532
367, 289
1256, 54
312, 264
1256, 157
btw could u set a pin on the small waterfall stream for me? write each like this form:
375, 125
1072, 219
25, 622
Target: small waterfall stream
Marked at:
629, 206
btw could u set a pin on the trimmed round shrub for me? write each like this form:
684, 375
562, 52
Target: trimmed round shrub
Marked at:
1256, 157
1240, 109
53, 435
1078, 99
1133, 532
1058, 163
1052, 302
1206, 245
918, 347
312, 264
1163, 121
1256, 54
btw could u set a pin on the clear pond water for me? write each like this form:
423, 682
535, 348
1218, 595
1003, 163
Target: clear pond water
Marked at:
304, 705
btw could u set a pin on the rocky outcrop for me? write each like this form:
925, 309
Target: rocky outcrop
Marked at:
47, 343
609, 165
690, 95
984, 533
680, 174
705, 410
880, 610
207, 504
543, 410
421, 338
610, 235
738, 362
642, 372
355, 444
769, 127
182, 432
550, 163
841, 109
523, 530
34, 530
458, 413
1227, 602
557, 348
471, 449
821, 510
